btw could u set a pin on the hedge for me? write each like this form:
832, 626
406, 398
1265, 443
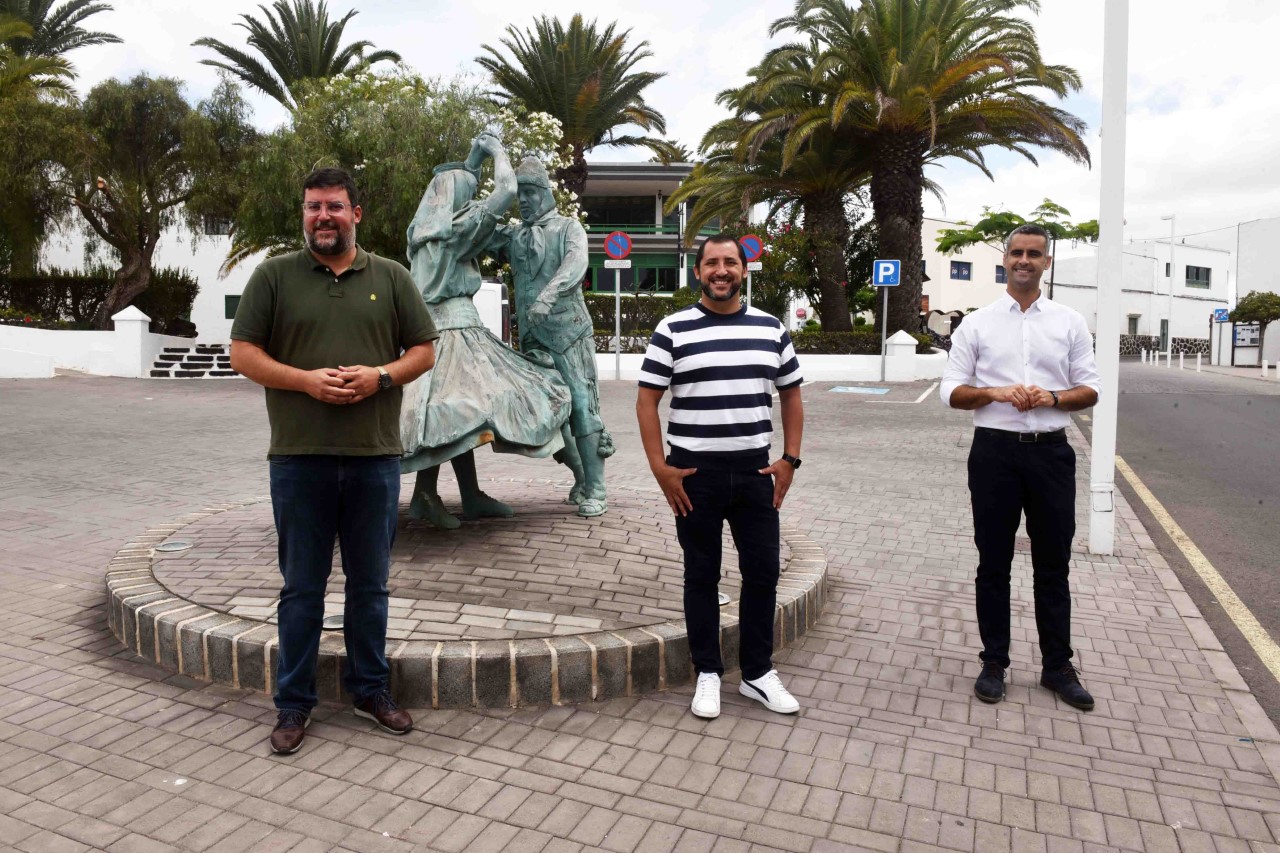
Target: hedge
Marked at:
61, 299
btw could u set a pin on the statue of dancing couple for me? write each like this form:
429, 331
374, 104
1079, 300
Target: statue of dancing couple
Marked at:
540, 401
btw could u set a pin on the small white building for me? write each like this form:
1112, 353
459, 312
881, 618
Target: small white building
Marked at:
1200, 285
1257, 241
971, 278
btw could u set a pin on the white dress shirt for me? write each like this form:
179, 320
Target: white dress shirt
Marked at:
1048, 345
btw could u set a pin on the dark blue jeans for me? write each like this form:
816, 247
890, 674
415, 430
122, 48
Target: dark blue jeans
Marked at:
317, 499
744, 498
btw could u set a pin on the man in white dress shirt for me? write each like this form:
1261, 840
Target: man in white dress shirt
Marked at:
1021, 364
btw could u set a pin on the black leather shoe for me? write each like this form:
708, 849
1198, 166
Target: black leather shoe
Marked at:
990, 684
1066, 683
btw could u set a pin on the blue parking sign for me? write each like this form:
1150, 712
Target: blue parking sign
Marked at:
886, 273
1221, 315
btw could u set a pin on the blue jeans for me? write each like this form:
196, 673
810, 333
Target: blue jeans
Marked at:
317, 499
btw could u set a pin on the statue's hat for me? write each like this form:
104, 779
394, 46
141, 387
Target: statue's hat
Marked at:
531, 171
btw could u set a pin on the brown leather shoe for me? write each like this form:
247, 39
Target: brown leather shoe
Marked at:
381, 708
291, 728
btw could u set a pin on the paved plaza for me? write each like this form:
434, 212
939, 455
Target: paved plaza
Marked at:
890, 752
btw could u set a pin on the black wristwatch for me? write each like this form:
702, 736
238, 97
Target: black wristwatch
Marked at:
384, 378
787, 457
1054, 394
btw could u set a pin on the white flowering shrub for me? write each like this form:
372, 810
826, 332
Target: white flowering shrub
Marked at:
535, 135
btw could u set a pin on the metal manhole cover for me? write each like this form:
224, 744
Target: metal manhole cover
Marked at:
174, 545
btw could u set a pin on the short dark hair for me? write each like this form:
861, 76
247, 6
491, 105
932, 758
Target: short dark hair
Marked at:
1027, 228
720, 238
332, 176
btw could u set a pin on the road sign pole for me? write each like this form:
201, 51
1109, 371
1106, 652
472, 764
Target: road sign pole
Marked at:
748, 288
884, 329
617, 324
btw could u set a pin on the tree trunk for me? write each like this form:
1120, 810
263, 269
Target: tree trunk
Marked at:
574, 176
897, 185
828, 232
133, 277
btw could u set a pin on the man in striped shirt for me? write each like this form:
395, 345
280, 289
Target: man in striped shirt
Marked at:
722, 361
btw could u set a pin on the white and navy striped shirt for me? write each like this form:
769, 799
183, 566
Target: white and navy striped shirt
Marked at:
721, 369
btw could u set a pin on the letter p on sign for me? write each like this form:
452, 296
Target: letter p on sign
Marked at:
886, 273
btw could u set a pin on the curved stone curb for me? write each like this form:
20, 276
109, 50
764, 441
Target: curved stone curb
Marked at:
206, 644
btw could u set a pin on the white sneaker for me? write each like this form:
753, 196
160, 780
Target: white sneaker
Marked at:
768, 691
706, 698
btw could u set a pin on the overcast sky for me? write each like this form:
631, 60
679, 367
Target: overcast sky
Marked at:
1203, 125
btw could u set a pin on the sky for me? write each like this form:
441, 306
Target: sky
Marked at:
1203, 118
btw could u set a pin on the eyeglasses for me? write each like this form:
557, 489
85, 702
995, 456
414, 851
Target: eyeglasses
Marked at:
334, 208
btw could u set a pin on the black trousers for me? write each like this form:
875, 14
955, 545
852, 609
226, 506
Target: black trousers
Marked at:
744, 498
1006, 478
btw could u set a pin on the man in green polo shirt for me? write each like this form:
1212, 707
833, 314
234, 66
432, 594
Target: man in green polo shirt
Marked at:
332, 332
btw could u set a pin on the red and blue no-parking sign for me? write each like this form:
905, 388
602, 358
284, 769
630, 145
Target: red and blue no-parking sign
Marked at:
617, 245
752, 245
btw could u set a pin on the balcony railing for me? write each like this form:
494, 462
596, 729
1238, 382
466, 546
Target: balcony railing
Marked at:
657, 230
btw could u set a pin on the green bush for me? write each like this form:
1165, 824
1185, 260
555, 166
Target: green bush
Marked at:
639, 311
69, 299
862, 341
29, 320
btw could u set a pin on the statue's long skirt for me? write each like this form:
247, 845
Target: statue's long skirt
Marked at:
481, 392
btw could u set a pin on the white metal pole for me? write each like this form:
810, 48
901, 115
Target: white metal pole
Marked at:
748, 287
884, 327
1181, 360
1102, 473
617, 324
1173, 274
1197, 362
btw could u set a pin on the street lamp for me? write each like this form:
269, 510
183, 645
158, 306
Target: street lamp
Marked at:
1173, 219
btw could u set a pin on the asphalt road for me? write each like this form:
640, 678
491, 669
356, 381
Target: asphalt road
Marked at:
1208, 447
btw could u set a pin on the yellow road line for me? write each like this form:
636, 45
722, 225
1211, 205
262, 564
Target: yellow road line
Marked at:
1262, 643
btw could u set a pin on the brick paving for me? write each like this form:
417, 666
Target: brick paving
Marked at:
544, 573
99, 750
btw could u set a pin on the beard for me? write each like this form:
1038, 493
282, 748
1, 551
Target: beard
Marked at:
342, 240
733, 291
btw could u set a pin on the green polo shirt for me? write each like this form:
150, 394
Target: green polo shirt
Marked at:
304, 316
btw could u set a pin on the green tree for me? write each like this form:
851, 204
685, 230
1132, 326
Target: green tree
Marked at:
22, 74
1261, 307
586, 78
140, 155
389, 131
917, 81
995, 225
299, 43
54, 32
748, 162
36, 131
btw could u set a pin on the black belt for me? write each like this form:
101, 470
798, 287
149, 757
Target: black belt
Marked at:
1058, 436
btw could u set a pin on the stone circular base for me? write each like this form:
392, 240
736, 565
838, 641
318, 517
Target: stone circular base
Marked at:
543, 608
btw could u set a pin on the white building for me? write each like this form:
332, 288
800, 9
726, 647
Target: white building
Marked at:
968, 279
1200, 285
1257, 241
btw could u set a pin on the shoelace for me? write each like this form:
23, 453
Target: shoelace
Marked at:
1069, 672
707, 686
993, 669
383, 703
291, 719
770, 681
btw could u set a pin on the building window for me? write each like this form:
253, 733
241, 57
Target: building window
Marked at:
1133, 324
612, 210
1198, 277
232, 303
961, 270
1001, 276
1166, 269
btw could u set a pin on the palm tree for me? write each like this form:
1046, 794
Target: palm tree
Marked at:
37, 75
54, 31
745, 166
915, 81
585, 78
299, 43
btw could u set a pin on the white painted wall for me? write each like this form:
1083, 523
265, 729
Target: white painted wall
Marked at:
1145, 288
129, 351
